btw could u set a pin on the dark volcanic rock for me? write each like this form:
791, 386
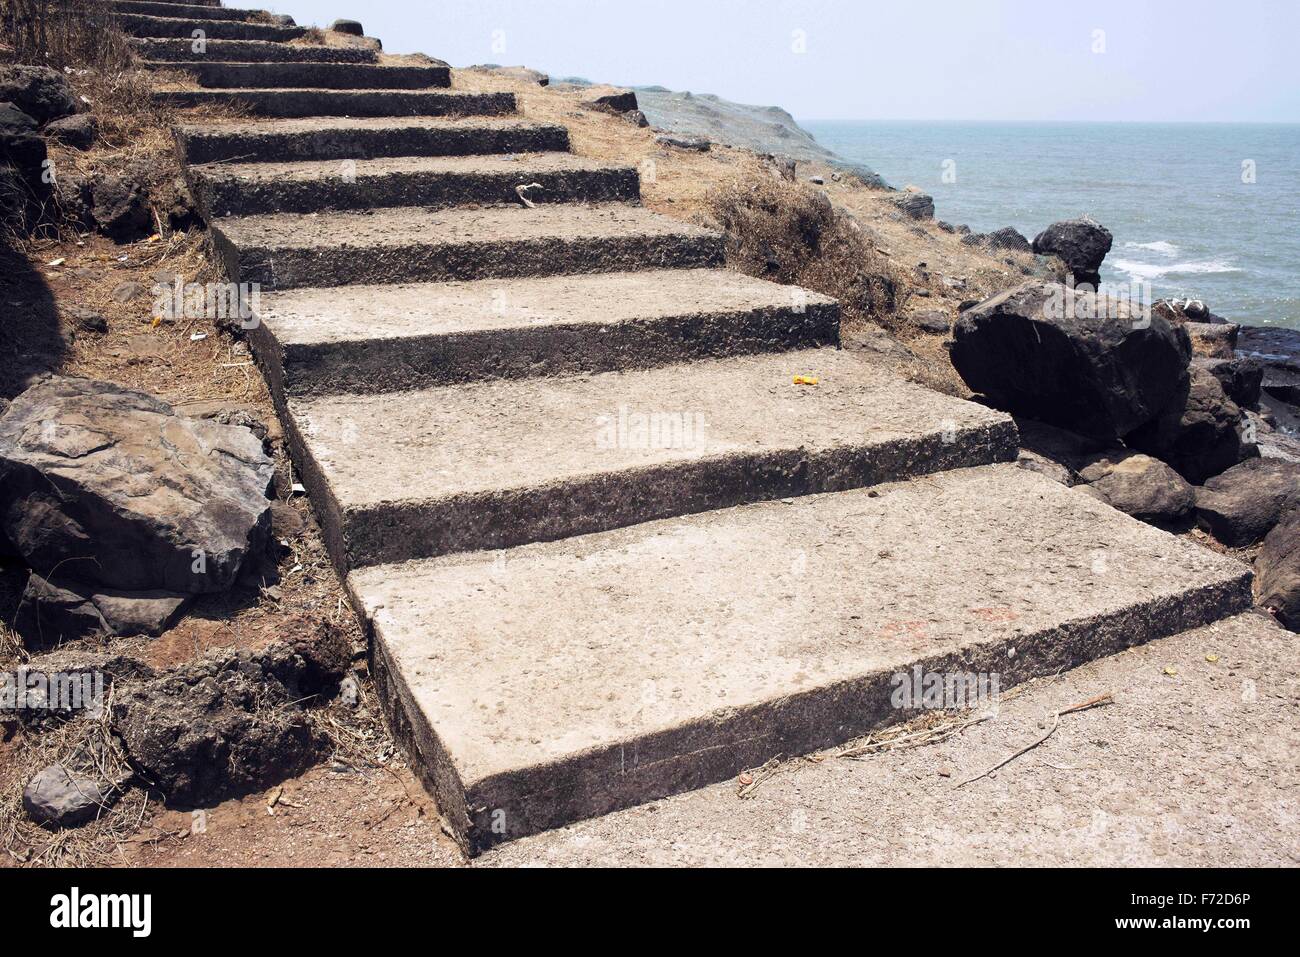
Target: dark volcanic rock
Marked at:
1008, 238
1277, 571
1216, 340
40, 92
110, 485
120, 208
684, 142
1144, 487
1243, 504
14, 122
227, 726
1081, 243
78, 131
352, 28
50, 614
913, 203
614, 103
58, 798
1241, 378
1199, 433
1045, 352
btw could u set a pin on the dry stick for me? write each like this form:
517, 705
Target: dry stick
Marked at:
1101, 699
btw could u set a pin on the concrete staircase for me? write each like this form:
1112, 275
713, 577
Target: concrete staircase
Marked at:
607, 547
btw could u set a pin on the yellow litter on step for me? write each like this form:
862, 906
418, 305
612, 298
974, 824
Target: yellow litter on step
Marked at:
805, 380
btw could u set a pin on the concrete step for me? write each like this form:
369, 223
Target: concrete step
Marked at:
350, 103
248, 189
134, 25
324, 76
190, 10
402, 337
542, 685
498, 464
248, 51
288, 250
320, 138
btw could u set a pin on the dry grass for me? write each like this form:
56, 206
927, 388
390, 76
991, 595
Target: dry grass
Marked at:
64, 33
792, 234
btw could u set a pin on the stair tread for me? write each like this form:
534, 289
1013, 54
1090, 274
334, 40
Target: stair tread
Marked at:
309, 170
566, 679
407, 226
161, 50
310, 315
322, 124
436, 444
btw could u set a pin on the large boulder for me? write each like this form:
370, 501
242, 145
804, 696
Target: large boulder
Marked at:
913, 203
14, 122
624, 102
40, 92
1243, 504
1081, 243
1078, 360
77, 131
1008, 238
110, 487
352, 28
1277, 571
120, 207
1144, 487
1199, 433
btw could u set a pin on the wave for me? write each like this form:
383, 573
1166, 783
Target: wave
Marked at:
1159, 246
1211, 267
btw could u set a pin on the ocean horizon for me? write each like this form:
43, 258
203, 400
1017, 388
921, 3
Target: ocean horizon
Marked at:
1206, 210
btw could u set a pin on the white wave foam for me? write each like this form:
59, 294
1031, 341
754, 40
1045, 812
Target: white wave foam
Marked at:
1159, 246
1209, 267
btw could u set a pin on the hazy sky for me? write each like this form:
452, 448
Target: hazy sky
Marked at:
869, 59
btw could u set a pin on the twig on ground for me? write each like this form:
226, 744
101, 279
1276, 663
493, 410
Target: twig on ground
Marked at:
1099, 701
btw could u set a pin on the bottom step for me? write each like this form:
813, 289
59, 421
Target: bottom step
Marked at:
554, 682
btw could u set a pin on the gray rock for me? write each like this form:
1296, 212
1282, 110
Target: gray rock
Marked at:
1055, 471
1241, 378
624, 102
40, 92
1241, 506
636, 118
110, 485
1081, 243
683, 142
1008, 238
58, 798
51, 614
913, 203
120, 208
78, 131
1139, 485
1216, 340
352, 28
933, 321
1200, 431
14, 122
1074, 360
1277, 571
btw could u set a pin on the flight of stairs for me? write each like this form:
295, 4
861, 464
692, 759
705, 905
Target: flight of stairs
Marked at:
608, 548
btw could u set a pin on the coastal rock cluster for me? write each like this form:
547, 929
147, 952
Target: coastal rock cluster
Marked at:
1153, 410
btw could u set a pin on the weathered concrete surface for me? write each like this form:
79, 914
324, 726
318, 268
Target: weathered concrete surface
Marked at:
312, 102
296, 75
415, 245
136, 25
388, 338
249, 189
496, 464
568, 679
1193, 769
335, 138
249, 51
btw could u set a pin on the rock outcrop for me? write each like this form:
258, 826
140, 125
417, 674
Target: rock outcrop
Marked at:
1081, 243
1277, 571
1078, 360
112, 498
1242, 505
1144, 487
1199, 432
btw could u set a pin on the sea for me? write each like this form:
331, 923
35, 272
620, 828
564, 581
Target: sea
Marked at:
1208, 211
